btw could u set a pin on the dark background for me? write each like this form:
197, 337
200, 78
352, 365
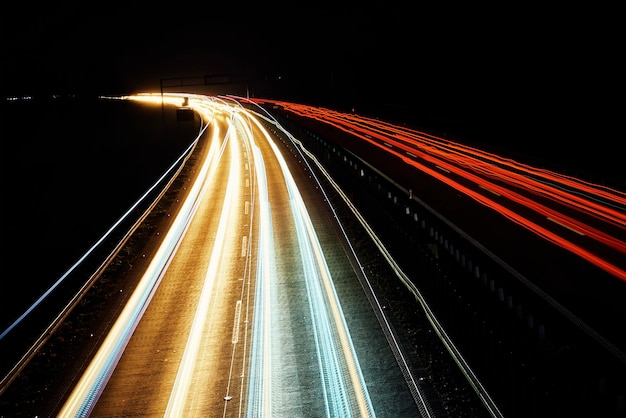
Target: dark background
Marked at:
542, 84
536, 82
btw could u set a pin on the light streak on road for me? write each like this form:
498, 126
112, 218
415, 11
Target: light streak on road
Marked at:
600, 211
84, 396
416, 391
497, 183
329, 322
260, 388
342, 382
180, 391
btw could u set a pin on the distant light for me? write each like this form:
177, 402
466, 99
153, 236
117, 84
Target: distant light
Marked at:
16, 98
157, 98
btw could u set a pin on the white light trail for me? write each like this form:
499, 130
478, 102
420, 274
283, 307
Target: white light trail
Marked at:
329, 322
260, 388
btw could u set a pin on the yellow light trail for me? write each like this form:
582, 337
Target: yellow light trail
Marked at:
91, 384
182, 383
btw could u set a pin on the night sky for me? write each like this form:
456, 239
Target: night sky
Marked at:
531, 78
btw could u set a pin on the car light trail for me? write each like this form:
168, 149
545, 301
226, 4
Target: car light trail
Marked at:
342, 387
180, 390
556, 194
338, 365
84, 396
334, 345
260, 388
416, 391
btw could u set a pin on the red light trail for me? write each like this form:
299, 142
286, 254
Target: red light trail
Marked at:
591, 210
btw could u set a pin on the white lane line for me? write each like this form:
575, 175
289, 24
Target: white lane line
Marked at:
236, 322
244, 245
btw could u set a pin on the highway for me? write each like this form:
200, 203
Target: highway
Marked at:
254, 303
238, 312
